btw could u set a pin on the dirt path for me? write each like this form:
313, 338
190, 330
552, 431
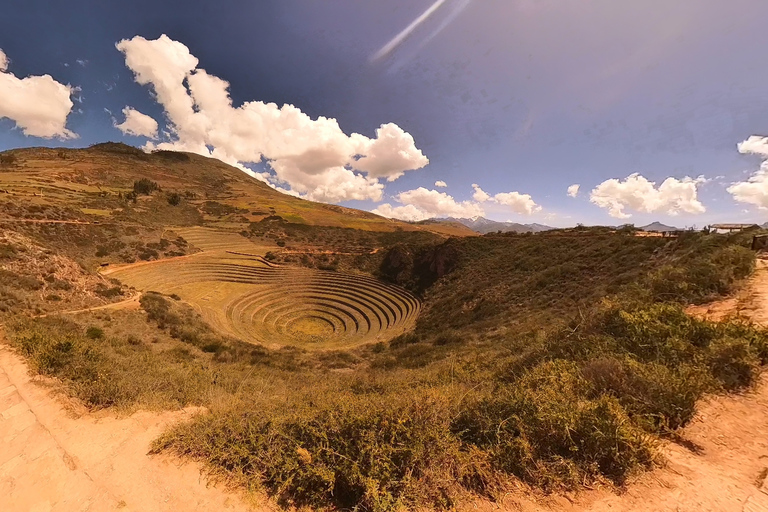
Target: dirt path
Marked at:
52, 460
727, 473
130, 303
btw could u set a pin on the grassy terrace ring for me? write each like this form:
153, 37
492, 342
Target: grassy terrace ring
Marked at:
245, 298
305, 306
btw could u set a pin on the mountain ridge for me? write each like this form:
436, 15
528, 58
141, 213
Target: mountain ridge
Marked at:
485, 226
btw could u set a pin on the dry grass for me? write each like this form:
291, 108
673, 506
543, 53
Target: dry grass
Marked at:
276, 306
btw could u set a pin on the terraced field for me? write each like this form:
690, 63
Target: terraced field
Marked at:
243, 295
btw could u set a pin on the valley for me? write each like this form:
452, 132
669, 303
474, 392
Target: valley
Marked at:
312, 356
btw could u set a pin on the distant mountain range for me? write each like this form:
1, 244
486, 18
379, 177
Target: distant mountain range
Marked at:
658, 226
483, 225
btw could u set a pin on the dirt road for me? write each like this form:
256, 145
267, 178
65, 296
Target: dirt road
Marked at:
54, 460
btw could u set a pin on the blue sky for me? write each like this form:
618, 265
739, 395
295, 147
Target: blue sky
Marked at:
516, 96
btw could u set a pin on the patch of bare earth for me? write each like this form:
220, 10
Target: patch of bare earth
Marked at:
55, 459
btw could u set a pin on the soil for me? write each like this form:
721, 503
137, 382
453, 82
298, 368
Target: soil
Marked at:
54, 457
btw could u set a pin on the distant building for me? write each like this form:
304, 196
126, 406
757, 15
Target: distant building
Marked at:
730, 228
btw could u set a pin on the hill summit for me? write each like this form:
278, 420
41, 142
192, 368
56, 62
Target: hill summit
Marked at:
484, 226
659, 227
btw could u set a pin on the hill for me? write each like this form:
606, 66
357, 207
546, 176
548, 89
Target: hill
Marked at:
484, 226
92, 183
349, 367
659, 227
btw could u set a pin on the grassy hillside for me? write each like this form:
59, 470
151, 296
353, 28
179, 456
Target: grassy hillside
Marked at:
547, 360
551, 361
92, 185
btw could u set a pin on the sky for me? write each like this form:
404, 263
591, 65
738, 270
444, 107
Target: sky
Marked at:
550, 111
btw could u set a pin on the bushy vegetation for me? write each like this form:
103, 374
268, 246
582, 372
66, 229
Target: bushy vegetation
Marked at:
554, 360
145, 186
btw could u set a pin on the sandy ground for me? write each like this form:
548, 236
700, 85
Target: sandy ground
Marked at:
52, 459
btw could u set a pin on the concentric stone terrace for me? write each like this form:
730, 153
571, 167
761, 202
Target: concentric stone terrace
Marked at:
307, 306
281, 306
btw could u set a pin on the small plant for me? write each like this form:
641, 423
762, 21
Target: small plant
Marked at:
145, 187
7, 160
95, 333
174, 198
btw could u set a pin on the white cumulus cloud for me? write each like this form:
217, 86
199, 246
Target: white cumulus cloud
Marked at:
479, 195
517, 202
756, 145
636, 193
39, 105
138, 124
422, 203
754, 190
573, 190
311, 157
440, 184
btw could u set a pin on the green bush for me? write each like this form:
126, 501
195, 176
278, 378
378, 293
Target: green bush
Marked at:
95, 333
145, 186
547, 431
364, 453
174, 199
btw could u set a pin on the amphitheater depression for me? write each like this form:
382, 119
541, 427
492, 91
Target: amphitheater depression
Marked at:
241, 294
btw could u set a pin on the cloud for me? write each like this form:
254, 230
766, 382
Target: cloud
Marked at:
754, 190
137, 124
636, 193
517, 202
573, 190
311, 157
421, 204
755, 145
441, 184
479, 195
39, 105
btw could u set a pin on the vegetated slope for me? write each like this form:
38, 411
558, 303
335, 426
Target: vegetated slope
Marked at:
92, 183
496, 281
535, 381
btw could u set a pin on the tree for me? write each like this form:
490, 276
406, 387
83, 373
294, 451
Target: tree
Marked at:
174, 199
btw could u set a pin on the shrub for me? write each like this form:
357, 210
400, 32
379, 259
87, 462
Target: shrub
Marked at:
159, 310
95, 333
174, 199
547, 431
363, 453
22, 282
7, 160
7, 251
145, 186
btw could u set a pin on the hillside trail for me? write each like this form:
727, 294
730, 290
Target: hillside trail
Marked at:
56, 458
132, 302
725, 466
